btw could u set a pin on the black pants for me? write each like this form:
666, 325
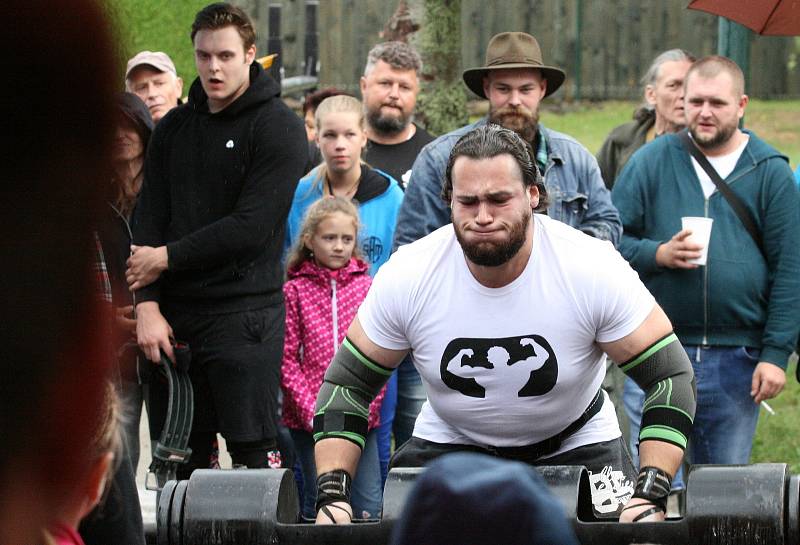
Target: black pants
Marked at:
235, 374
612, 474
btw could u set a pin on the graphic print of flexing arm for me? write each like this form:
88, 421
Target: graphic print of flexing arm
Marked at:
466, 358
459, 366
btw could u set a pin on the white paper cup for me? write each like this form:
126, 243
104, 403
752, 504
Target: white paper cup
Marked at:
701, 234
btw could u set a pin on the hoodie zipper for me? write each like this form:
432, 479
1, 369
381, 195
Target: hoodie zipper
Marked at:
705, 292
729, 181
335, 316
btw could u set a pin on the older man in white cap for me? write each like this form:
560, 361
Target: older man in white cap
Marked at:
151, 75
515, 80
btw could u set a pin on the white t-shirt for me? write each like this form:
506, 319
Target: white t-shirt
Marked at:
724, 165
532, 342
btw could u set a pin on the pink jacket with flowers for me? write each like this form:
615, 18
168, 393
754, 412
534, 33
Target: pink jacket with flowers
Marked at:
319, 301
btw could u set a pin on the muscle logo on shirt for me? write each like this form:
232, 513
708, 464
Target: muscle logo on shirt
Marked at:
372, 248
527, 361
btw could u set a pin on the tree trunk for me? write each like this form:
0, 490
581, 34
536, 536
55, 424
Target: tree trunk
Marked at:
442, 104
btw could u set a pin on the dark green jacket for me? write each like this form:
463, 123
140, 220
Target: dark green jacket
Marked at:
741, 297
622, 142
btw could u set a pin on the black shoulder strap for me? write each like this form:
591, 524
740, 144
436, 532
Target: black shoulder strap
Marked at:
733, 199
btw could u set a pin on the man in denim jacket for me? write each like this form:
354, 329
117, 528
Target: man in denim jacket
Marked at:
514, 80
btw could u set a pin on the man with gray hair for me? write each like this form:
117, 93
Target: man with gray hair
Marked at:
661, 113
389, 90
151, 76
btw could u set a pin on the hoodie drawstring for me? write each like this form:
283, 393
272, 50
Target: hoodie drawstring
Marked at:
335, 314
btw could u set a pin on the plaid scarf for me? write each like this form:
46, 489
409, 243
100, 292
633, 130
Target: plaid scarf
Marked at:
103, 283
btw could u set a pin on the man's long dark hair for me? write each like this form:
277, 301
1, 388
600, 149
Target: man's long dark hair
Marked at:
489, 141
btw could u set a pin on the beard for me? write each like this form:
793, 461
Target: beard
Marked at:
386, 124
494, 254
521, 120
724, 133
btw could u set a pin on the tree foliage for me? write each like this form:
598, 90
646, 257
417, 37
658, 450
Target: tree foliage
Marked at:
158, 26
443, 100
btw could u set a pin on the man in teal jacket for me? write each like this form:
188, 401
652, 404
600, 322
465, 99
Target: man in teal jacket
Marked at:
736, 315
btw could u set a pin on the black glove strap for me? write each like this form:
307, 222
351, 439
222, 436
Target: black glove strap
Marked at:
653, 485
326, 510
333, 486
652, 511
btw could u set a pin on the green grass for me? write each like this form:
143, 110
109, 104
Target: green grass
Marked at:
777, 122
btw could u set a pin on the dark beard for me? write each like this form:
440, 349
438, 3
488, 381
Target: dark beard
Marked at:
519, 119
723, 135
386, 125
490, 254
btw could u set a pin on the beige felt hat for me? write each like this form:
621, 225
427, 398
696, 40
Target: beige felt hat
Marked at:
513, 50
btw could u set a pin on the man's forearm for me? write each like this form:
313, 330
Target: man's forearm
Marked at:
162, 259
153, 333
664, 456
145, 307
334, 453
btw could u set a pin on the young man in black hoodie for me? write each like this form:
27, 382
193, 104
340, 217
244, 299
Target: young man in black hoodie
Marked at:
208, 233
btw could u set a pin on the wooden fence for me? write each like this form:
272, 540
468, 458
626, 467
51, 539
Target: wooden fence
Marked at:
616, 41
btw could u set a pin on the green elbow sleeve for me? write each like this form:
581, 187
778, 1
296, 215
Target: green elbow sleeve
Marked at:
665, 373
351, 383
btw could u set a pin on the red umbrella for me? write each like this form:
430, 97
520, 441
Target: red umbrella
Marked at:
768, 17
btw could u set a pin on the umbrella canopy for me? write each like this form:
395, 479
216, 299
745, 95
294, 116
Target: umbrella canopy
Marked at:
768, 17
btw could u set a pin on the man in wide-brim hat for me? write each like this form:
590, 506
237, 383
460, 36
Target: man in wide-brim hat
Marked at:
511, 50
515, 79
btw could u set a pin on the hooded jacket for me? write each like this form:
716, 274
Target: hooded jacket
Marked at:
622, 142
379, 198
741, 297
217, 190
115, 234
320, 304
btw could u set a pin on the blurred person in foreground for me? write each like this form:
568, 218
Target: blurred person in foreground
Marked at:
499, 502
56, 354
100, 458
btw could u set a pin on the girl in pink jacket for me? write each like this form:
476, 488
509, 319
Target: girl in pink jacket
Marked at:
327, 282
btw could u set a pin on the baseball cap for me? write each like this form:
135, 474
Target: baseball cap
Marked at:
157, 59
